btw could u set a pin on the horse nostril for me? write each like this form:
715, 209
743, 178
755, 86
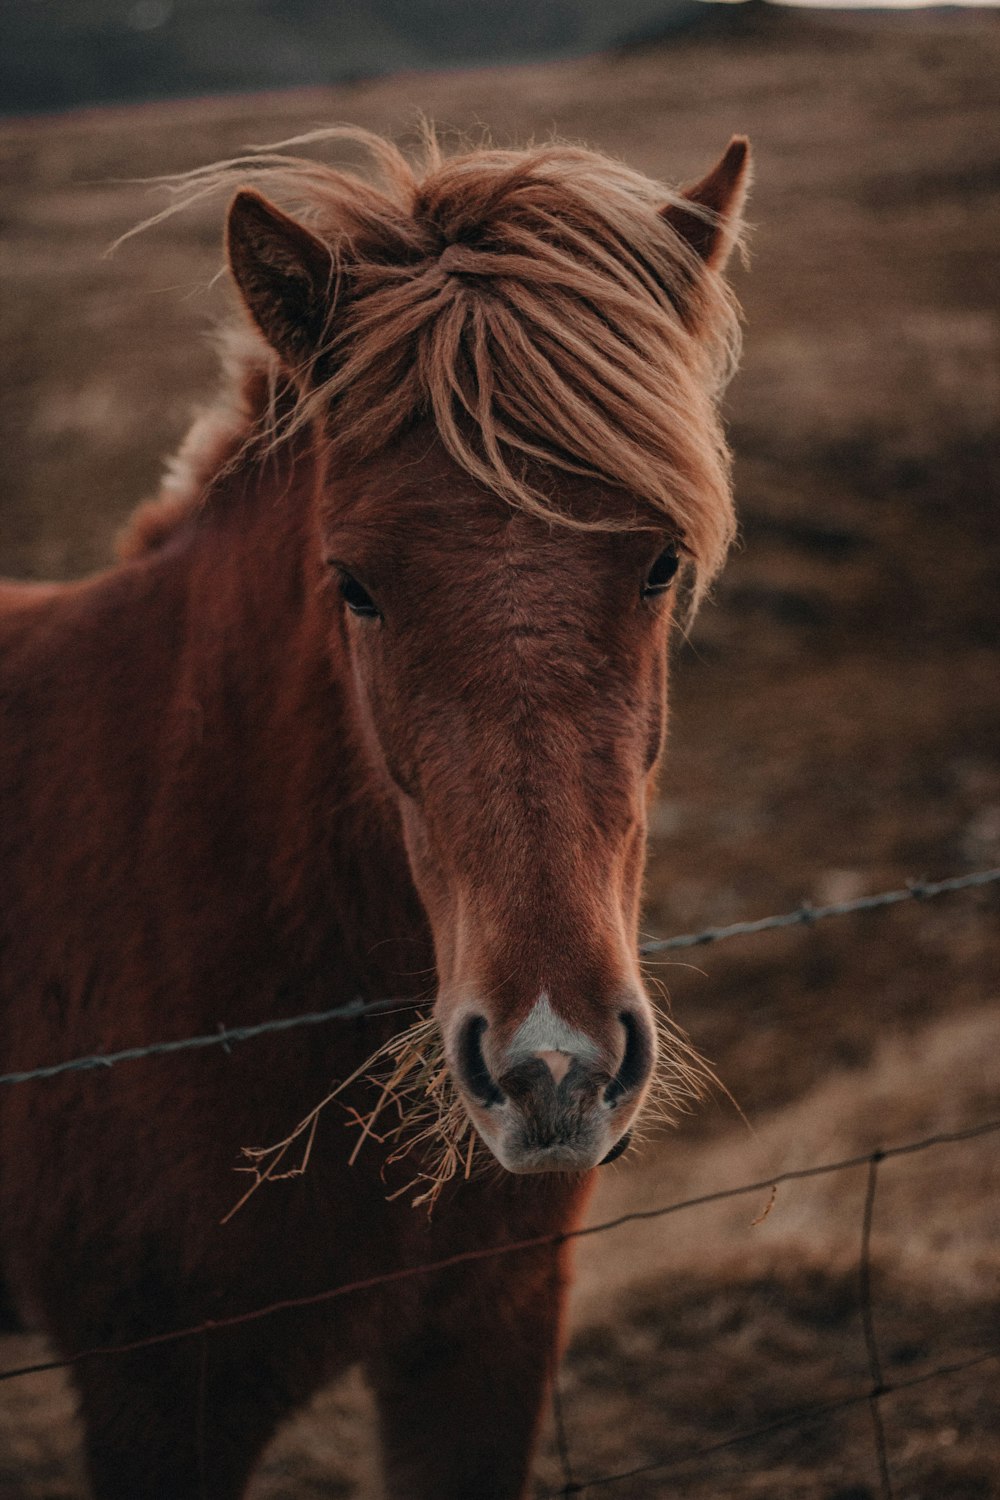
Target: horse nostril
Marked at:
472, 1066
636, 1060
617, 1150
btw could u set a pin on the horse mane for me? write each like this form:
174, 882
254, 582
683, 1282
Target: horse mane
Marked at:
220, 435
533, 304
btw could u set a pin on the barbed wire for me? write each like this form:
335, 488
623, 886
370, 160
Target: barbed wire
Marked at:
871, 1396
227, 1036
510, 1247
224, 1037
805, 915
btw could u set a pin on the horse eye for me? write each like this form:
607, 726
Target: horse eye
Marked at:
357, 599
661, 574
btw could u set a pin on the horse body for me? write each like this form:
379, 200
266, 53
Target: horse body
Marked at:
223, 742
228, 798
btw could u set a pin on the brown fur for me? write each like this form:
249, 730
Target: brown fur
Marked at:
227, 799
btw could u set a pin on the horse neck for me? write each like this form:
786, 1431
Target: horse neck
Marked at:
279, 714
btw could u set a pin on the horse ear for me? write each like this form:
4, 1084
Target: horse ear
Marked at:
712, 233
284, 274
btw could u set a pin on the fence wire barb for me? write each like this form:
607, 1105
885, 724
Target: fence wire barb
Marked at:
225, 1036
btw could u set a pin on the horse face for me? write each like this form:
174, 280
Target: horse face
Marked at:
511, 679
510, 673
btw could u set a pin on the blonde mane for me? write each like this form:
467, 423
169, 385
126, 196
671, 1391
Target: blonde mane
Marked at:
534, 305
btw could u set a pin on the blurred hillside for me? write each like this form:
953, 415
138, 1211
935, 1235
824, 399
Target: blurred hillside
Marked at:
73, 52
835, 713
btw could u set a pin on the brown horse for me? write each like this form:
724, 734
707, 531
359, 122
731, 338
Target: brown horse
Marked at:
370, 707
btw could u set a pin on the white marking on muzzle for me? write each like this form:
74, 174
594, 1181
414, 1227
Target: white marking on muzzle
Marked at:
543, 1031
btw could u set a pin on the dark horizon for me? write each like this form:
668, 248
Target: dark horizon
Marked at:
67, 55
70, 55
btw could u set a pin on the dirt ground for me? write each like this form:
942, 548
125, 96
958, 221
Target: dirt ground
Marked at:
835, 726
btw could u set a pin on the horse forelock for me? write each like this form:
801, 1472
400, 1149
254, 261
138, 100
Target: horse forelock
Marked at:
533, 305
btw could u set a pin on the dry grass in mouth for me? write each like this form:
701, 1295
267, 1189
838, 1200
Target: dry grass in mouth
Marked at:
418, 1110
419, 1113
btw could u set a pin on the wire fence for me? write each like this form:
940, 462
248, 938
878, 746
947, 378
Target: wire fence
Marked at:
801, 1417
872, 1394
227, 1036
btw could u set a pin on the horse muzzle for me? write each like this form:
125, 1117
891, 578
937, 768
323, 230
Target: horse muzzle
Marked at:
554, 1108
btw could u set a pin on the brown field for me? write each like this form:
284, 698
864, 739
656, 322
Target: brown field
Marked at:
835, 730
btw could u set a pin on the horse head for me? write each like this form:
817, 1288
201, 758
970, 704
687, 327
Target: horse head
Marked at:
510, 366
